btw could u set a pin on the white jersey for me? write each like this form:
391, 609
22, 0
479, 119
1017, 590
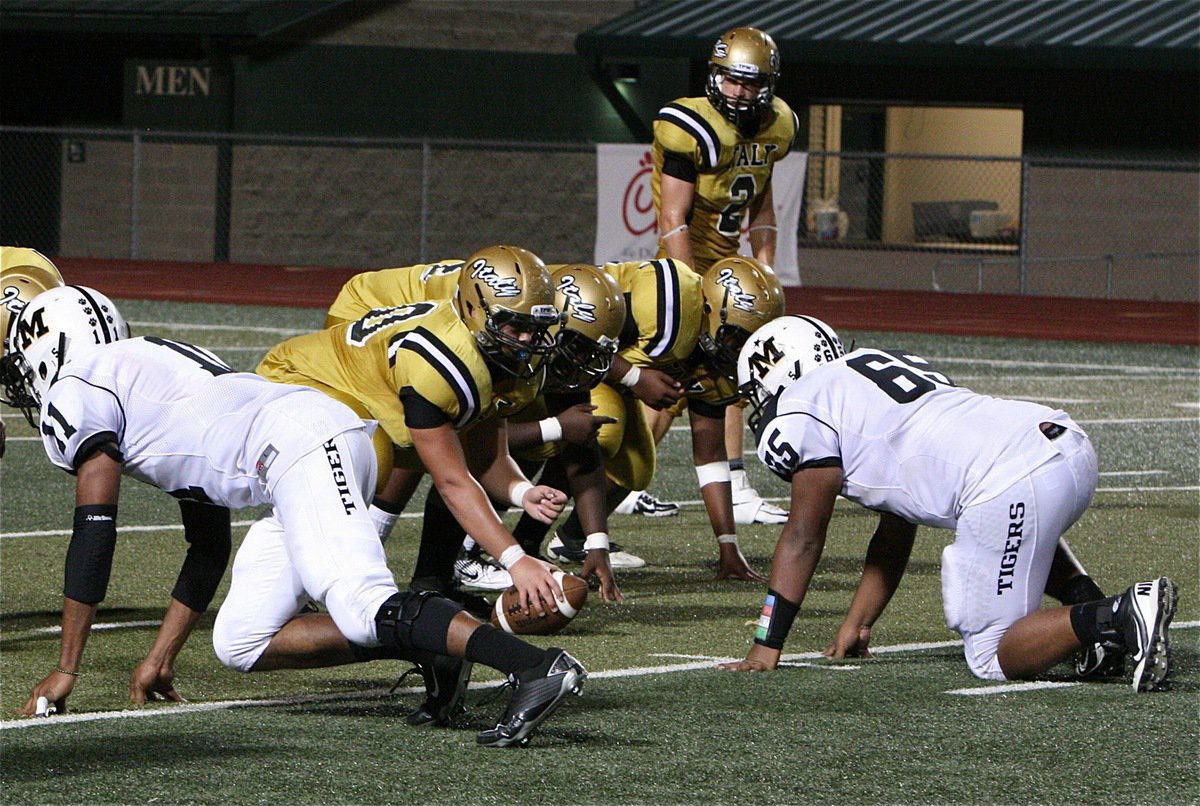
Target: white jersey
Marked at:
184, 421
908, 440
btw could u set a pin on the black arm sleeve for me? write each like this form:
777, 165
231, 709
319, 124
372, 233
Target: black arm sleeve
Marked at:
419, 412
679, 166
90, 555
206, 527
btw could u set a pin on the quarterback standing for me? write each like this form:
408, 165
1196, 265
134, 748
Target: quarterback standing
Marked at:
888, 431
713, 161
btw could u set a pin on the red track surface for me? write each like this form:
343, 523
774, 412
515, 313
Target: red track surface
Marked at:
843, 308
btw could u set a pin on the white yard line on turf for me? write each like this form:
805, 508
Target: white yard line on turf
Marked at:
1011, 688
689, 503
703, 662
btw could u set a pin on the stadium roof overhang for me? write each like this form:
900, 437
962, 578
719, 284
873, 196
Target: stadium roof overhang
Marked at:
1062, 34
223, 19
947, 35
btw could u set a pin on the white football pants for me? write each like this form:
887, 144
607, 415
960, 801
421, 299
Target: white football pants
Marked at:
318, 543
995, 571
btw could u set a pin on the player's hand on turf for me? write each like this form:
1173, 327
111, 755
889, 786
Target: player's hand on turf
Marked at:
758, 659
596, 565
579, 425
152, 681
657, 389
544, 503
55, 687
733, 565
850, 642
540, 593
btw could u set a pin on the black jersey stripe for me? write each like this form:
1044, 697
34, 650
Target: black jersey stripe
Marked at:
668, 313
691, 122
452, 368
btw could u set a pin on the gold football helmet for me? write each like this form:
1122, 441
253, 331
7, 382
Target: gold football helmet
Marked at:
744, 57
506, 298
741, 295
594, 311
24, 273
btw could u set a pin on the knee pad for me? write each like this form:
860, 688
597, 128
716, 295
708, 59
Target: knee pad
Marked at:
416, 620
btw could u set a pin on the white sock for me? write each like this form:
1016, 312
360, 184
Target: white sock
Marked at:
383, 520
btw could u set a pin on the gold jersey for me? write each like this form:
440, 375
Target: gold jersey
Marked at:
665, 303
387, 287
422, 348
729, 170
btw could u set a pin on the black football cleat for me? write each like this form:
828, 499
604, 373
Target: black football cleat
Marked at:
1100, 662
446, 679
539, 691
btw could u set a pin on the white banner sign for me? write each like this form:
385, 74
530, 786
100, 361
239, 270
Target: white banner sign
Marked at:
625, 223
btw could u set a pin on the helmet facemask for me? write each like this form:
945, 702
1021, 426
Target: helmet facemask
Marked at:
721, 349
501, 339
593, 316
579, 363
780, 353
57, 326
743, 59
507, 302
746, 113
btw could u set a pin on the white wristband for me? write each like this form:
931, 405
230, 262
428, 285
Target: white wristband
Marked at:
676, 231
512, 555
551, 430
723, 539
712, 473
596, 540
630, 378
517, 493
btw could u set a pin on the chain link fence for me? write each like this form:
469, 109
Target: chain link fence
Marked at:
870, 219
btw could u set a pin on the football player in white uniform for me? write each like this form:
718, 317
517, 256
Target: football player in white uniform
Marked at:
177, 417
885, 429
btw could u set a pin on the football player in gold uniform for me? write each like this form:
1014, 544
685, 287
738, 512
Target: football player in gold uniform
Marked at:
24, 273
690, 327
591, 310
541, 436
429, 371
713, 160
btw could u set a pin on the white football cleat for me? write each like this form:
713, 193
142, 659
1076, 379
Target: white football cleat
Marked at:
641, 502
1151, 606
476, 572
750, 507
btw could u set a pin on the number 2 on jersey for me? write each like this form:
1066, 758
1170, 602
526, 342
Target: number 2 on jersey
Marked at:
741, 191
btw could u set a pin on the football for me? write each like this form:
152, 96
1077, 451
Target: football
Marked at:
508, 616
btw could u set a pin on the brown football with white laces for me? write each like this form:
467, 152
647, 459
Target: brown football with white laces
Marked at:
508, 615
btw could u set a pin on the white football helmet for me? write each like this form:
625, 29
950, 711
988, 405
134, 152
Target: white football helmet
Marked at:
56, 327
780, 352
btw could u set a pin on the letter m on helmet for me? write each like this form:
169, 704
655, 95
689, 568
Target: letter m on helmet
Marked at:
31, 328
764, 360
